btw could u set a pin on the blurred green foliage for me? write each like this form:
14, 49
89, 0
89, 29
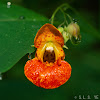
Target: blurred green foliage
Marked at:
84, 58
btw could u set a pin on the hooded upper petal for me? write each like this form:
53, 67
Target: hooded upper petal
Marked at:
46, 33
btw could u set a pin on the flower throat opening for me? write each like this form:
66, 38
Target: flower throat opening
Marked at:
49, 56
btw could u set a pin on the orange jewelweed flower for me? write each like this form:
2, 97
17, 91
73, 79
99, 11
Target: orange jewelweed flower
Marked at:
48, 69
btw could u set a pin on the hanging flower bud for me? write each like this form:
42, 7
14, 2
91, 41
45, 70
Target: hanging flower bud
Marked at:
74, 30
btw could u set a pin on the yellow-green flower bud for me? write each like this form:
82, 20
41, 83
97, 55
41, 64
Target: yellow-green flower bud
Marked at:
61, 29
65, 36
74, 30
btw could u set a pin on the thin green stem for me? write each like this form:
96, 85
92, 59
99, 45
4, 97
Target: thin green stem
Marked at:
61, 24
52, 18
69, 17
64, 16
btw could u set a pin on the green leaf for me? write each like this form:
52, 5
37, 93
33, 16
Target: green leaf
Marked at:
18, 27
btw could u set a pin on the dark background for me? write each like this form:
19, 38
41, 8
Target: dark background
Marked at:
84, 59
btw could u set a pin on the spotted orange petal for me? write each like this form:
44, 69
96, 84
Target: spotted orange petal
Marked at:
46, 33
48, 77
